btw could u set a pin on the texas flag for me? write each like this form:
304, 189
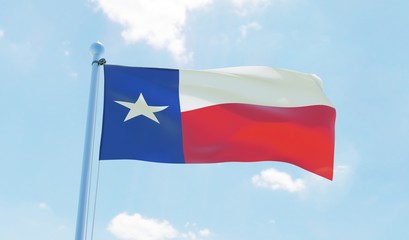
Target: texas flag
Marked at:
240, 114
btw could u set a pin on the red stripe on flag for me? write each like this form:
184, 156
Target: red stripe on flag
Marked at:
303, 136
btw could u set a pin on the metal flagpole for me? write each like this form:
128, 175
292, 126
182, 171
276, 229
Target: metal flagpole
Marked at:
96, 49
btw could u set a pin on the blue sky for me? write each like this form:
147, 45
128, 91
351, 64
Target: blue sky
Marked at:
358, 48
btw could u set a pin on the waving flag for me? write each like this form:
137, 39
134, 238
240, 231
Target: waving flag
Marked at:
242, 114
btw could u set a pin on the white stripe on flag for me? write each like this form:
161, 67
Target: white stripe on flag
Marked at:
263, 86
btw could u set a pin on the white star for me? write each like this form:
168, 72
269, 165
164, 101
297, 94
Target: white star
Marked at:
140, 107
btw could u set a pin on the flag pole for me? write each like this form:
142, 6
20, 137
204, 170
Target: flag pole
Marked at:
96, 50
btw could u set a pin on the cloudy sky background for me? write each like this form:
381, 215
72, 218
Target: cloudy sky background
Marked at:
358, 48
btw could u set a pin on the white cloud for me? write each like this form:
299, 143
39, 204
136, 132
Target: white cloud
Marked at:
136, 227
42, 205
204, 232
1, 33
342, 169
189, 235
159, 23
196, 236
276, 180
243, 3
189, 224
250, 26
245, 7
66, 47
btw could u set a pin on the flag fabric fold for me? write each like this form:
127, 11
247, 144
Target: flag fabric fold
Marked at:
241, 114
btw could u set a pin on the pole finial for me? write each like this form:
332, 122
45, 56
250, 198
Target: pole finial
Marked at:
96, 49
